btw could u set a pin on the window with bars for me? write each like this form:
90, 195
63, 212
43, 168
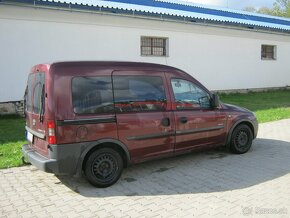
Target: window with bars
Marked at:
154, 46
268, 52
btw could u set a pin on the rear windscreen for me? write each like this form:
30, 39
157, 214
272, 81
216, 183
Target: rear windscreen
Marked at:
34, 95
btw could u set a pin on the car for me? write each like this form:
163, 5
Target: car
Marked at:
97, 117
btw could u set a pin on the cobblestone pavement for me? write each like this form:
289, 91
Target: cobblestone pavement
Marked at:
208, 183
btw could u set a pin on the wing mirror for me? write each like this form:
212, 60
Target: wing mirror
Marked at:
215, 100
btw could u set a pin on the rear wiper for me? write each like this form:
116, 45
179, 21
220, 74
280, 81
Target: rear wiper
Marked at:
42, 104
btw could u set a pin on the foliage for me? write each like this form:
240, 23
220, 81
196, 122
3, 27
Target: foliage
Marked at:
280, 8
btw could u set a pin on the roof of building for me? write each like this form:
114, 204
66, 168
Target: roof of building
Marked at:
170, 9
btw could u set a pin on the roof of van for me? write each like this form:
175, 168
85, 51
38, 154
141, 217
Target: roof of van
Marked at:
109, 66
114, 64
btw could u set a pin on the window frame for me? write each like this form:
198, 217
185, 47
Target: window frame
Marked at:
165, 47
190, 109
273, 52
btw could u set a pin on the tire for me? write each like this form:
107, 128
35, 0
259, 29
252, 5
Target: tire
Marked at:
241, 139
103, 167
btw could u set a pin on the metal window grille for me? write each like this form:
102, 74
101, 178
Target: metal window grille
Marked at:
268, 52
151, 46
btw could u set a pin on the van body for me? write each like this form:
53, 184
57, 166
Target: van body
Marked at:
99, 117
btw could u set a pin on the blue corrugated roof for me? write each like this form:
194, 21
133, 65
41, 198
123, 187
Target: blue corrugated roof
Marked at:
173, 9
210, 11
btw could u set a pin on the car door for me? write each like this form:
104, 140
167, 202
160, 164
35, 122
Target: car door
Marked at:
35, 111
144, 122
197, 123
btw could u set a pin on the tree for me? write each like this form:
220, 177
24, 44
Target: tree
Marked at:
280, 8
250, 9
265, 10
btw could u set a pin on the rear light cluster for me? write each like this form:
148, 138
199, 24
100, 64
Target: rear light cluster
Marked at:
51, 132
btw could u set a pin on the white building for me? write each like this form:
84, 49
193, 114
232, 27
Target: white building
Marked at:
224, 49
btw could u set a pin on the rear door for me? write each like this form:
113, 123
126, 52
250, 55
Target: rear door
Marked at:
144, 122
197, 123
35, 97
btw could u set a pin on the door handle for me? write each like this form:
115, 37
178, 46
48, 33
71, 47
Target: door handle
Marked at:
183, 120
165, 121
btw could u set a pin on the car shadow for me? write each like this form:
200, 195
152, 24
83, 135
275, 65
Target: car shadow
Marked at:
206, 171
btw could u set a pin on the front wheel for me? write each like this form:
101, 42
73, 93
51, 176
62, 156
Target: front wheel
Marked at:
241, 139
104, 167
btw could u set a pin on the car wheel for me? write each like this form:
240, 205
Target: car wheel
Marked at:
241, 139
104, 167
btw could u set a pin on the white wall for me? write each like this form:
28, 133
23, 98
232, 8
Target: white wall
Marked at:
219, 58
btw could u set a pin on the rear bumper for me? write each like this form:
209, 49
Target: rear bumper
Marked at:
42, 163
63, 159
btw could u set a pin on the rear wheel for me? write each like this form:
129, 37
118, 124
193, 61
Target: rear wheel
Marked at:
241, 139
104, 167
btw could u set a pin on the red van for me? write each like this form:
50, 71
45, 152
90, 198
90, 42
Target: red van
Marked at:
99, 117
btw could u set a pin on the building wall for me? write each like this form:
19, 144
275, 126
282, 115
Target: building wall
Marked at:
221, 58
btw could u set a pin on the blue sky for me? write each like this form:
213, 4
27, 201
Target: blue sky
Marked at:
236, 4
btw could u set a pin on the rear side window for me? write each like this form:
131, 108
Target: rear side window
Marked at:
139, 93
92, 95
34, 96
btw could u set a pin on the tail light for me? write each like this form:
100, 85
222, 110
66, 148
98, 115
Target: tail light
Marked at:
51, 132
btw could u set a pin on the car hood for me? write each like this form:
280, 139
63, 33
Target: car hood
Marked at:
235, 108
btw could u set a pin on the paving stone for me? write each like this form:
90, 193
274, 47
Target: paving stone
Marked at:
202, 184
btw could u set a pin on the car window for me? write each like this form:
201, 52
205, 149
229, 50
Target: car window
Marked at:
38, 93
139, 93
34, 94
28, 93
188, 95
92, 95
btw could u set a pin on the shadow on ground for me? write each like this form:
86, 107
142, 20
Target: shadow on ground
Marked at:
203, 172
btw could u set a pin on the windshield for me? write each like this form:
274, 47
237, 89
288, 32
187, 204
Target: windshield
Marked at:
34, 95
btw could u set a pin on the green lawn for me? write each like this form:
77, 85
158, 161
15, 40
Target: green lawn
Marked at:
11, 139
268, 106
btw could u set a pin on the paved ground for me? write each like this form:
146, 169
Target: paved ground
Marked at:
208, 183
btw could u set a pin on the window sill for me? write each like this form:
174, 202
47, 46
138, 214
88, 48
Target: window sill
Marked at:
268, 59
155, 56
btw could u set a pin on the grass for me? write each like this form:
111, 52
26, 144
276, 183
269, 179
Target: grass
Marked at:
268, 106
11, 139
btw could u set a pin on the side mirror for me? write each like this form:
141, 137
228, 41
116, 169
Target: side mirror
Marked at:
215, 101
204, 102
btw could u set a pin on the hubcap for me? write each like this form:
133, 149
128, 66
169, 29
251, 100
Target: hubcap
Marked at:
242, 139
104, 167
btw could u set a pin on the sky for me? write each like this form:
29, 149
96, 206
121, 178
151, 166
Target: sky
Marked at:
236, 4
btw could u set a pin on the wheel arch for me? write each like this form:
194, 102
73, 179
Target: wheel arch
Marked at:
112, 143
239, 122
